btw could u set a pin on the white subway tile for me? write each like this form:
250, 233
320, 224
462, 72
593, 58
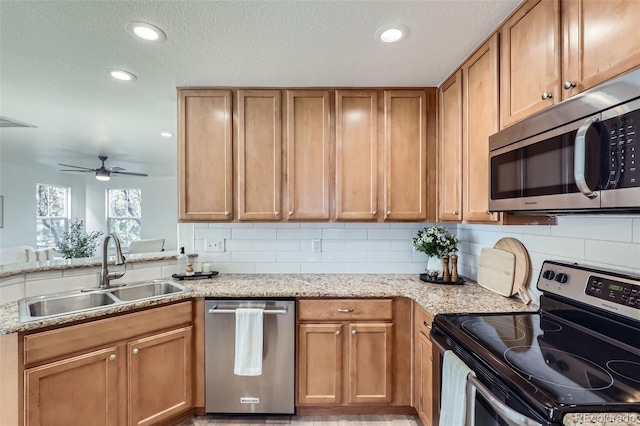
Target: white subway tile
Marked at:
615, 253
232, 225
253, 234
391, 234
554, 245
419, 257
636, 230
200, 226
145, 265
344, 234
594, 228
323, 268
368, 268
389, 256
400, 245
321, 225
277, 268
299, 234
414, 225
528, 229
298, 256
407, 268
201, 234
215, 257
11, 293
278, 225
595, 264
366, 225
236, 268
253, 256
344, 256
278, 245
368, 245
330, 245
240, 245
199, 245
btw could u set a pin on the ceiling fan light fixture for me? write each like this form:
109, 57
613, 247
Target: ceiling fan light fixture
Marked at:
146, 32
102, 175
392, 33
166, 134
122, 75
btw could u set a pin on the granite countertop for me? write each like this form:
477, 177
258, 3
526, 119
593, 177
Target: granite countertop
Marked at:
434, 298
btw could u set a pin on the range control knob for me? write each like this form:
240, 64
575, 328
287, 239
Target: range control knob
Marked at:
548, 274
562, 278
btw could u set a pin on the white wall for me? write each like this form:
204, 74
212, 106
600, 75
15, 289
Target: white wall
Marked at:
88, 203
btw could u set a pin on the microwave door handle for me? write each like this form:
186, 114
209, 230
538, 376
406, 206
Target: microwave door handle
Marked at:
508, 414
579, 158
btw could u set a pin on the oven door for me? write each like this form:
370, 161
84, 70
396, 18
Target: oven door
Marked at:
489, 402
559, 170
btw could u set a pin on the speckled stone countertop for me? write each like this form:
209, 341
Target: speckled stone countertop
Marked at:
602, 419
12, 269
434, 298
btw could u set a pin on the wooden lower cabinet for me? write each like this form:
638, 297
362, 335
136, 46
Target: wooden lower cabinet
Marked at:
370, 363
320, 364
423, 400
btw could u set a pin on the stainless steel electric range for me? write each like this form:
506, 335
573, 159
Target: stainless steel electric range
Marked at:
580, 353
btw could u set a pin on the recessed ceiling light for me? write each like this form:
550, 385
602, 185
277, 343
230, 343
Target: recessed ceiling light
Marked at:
166, 134
392, 33
122, 75
146, 32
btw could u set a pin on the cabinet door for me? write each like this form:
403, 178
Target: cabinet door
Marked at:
370, 362
205, 155
480, 120
320, 364
159, 376
450, 150
259, 154
405, 153
308, 155
423, 378
530, 60
356, 155
89, 380
600, 42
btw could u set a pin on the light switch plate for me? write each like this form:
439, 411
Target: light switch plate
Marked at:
214, 245
316, 245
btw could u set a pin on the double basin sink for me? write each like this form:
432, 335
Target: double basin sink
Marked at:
42, 307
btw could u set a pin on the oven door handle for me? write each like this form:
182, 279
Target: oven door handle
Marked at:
579, 158
511, 416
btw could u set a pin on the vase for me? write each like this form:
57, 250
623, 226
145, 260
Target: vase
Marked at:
435, 264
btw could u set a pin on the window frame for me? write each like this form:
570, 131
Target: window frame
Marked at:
66, 217
125, 241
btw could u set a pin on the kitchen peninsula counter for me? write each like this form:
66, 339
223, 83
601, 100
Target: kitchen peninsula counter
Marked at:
434, 298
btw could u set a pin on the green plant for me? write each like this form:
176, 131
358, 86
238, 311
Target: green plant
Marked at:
77, 243
435, 241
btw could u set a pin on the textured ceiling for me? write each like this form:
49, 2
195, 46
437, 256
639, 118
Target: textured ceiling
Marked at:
54, 56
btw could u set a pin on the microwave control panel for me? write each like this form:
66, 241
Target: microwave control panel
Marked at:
624, 156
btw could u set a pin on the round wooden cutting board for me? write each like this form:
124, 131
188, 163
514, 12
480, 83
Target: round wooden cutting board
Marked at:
522, 267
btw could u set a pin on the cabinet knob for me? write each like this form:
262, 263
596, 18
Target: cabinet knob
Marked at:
290, 213
227, 213
354, 332
488, 212
546, 95
388, 212
455, 212
135, 351
375, 212
345, 311
426, 324
569, 84
337, 332
112, 357
276, 213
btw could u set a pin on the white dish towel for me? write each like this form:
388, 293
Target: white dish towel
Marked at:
249, 339
453, 399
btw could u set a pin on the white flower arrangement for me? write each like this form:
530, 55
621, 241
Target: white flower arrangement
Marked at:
435, 241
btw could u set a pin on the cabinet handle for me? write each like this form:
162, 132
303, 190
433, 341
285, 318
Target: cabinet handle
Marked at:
375, 212
345, 311
569, 84
337, 332
431, 358
276, 213
290, 213
112, 357
546, 95
135, 351
227, 213
455, 212
354, 332
426, 324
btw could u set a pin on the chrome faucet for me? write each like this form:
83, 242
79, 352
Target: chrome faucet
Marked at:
105, 275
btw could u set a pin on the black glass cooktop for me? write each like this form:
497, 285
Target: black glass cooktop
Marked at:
569, 366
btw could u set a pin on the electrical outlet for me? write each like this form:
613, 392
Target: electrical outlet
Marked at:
213, 245
316, 246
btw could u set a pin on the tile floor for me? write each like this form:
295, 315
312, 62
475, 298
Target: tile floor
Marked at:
392, 420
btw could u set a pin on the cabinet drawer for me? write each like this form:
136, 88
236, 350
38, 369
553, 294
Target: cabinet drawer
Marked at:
345, 309
422, 320
68, 340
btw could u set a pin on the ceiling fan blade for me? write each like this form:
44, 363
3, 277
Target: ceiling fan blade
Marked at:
77, 167
116, 169
128, 173
75, 170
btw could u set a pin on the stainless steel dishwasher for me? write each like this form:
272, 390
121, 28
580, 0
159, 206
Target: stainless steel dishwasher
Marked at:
271, 392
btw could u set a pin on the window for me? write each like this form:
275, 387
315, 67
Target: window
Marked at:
124, 214
52, 215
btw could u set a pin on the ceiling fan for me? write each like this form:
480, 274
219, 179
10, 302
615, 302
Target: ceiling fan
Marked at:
102, 173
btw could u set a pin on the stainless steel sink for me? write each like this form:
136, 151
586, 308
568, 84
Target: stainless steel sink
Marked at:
148, 290
42, 307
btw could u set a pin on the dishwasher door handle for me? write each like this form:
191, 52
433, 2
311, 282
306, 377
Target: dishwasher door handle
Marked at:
215, 310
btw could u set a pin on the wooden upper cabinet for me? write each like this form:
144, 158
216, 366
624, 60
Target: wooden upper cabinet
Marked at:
308, 167
530, 60
356, 155
405, 154
450, 150
480, 120
259, 155
600, 42
205, 165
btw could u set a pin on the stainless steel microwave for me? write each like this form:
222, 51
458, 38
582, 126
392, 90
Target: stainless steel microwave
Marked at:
580, 155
